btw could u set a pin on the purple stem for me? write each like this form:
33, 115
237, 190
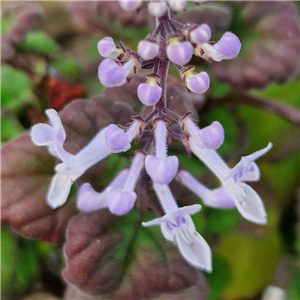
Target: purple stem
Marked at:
163, 67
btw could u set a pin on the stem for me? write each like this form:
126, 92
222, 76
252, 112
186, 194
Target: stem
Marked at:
163, 67
150, 116
172, 115
176, 24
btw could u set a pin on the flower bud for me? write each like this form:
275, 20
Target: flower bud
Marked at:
111, 73
179, 52
197, 83
228, 46
177, 5
150, 92
129, 5
148, 50
157, 9
116, 139
200, 34
108, 49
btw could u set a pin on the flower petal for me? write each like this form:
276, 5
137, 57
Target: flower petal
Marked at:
250, 205
194, 248
59, 190
120, 202
246, 169
89, 200
161, 170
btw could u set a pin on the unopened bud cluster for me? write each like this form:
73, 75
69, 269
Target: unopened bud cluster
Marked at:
170, 42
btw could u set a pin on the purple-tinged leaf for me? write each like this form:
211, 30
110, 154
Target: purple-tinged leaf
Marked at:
270, 49
216, 16
26, 172
112, 257
98, 16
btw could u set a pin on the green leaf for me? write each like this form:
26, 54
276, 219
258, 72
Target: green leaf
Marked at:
15, 87
40, 42
19, 264
293, 290
219, 278
67, 67
27, 268
251, 260
218, 89
9, 255
10, 127
221, 220
6, 23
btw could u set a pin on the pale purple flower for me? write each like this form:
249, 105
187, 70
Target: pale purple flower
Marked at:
116, 139
177, 226
111, 73
197, 83
148, 49
68, 171
227, 47
161, 168
157, 8
211, 136
246, 200
129, 5
150, 92
73, 166
121, 200
217, 198
177, 5
178, 52
53, 136
89, 200
108, 49
200, 34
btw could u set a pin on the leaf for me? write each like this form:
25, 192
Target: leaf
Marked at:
269, 34
107, 18
220, 220
9, 252
216, 16
11, 127
67, 67
125, 261
26, 172
252, 265
17, 255
15, 87
25, 276
25, 18
7, 49
40, 42
219, 278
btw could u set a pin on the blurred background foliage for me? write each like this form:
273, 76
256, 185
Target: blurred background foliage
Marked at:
49, 58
